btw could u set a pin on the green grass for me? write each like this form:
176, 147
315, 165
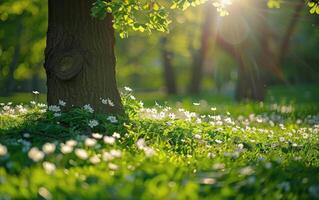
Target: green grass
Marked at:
239, 151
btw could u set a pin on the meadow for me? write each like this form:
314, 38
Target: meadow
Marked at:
196, 149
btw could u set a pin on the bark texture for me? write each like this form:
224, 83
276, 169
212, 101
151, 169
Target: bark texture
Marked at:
168, 72
79, 57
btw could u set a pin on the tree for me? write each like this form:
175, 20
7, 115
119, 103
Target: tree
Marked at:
79, 57
168, 71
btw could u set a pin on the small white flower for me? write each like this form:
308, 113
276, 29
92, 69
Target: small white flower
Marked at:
71, 143
97, 135
141, 144
218, 141
116, 153
240, 146
45, 193
93, 123
62, 103
116, 135
109, 140
113, 166
3, 150
197, 136
49, 167
104, 101
196, 104
88, 108
213, 109
128, 89
36, 92
54, 108
112, 119
246, 171
81, 153
132, 97
90, 142
65, 149
110, 102
107, 156
149, 152
211, 155
48, 148
35, 154
95, 159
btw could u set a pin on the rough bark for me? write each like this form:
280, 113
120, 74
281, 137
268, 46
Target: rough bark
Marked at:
200, 55
168, 71
79, 57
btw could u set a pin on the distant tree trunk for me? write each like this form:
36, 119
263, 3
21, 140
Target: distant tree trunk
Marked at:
10, 82
200, 55
168, 72
79, 57
289, 32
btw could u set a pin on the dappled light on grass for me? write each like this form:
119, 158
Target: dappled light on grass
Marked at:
159, 152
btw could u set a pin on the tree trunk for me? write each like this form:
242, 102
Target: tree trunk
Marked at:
79, 57
289, 32
200, 55
169, 74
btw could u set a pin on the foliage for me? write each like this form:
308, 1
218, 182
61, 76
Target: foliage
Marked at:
159, 153
142, 15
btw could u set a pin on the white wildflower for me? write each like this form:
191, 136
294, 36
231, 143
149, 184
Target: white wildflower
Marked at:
71, 143
116, 153
112, 119
140, 143
149, 152
62, 103
128, 89
49, 167
65, 149
116, 135
97, 135
107, 156
36, 92
213, 109
218, 141
3, 150
54, 108
44, 193
113, 166
93, 123
197, 136
48, 148
35, 154
95, 159
110, 102
88, 108
81, 153
246, 171
109, 140
90, 142
240, 146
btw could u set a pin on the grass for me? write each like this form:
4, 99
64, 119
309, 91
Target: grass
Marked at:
238, 151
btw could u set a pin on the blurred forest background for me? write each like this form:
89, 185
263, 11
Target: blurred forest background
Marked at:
248, 54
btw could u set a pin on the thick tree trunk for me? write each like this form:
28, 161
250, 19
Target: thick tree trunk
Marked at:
79, 57
168, 72
200, 55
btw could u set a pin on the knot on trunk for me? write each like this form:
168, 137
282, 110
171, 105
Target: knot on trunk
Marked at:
65, 56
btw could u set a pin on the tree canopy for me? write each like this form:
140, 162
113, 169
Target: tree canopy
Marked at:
147, 16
